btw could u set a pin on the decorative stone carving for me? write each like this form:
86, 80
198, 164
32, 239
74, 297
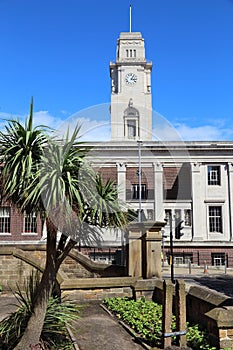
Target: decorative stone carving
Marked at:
131, 42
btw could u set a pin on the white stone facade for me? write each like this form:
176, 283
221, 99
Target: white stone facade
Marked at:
131, 107
191, 181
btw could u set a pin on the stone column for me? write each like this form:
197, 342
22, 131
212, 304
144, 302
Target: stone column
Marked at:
197, 206
121, 181
180, 312
134, 251
167, 312
158, 191
230, 192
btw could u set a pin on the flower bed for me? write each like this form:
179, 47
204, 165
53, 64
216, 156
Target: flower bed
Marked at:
145, 318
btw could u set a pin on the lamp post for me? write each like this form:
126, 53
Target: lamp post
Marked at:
163, 238
139, 181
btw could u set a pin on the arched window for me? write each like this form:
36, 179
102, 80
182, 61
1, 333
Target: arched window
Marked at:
131, 122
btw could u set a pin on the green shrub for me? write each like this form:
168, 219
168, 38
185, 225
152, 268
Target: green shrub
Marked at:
145, 317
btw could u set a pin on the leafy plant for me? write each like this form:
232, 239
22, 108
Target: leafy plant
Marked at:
145, 317
58, 317
198, 338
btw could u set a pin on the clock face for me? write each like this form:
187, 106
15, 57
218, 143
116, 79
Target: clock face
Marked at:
131, 78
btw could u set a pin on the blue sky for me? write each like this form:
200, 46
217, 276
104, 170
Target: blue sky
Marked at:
59, 53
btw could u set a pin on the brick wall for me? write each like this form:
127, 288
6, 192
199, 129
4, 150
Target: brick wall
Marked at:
202, 256
170, 176
108, 173
147, 177
17, 228
177, 182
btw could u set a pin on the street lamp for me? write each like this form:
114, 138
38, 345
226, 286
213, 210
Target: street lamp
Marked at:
163, 238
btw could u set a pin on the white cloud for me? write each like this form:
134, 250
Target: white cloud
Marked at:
39, 118
204, 133
90, 130
45, 118
217, 131
213, 130
4, 117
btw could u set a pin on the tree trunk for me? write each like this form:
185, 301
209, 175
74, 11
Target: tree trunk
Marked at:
34, 327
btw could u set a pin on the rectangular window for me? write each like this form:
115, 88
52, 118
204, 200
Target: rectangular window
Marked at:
103, 257
187, 217
30, 222
177, 214
218, 259
150, 214
177, 221
168, 214
131, 124
135, 191
215, 219
214, 175
4, 220
185, 258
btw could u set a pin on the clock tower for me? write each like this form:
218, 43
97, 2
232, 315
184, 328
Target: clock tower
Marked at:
131, 106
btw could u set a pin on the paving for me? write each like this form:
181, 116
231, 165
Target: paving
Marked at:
97, 330
8, 304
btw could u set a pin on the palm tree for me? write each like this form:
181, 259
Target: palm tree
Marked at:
52, 178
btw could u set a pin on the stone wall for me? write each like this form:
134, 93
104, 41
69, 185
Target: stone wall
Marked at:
206, 307
81, 279
97, 288
17, 262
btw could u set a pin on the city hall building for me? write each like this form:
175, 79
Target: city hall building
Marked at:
179, 181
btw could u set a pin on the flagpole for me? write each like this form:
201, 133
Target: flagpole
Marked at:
130, 18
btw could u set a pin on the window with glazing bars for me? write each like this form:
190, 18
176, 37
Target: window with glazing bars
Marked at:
214, 175
30, 222
215, 219
135, 191
4, 220
218, 259
168, 214
187, 217
131, 128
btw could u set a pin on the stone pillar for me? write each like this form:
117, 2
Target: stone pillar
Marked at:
134, 258
167, 313
230, 192
121, 181
151, 249
181, 312
144, 249
158, 191
197, 204
220, 327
